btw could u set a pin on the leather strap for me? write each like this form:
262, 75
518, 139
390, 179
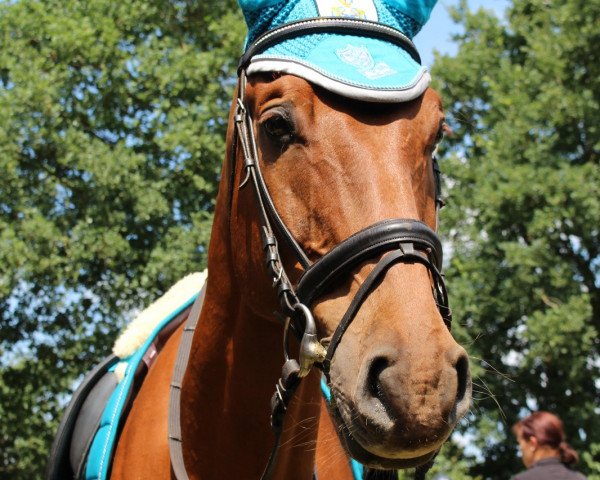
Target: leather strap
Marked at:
367, 243
267, 209
284, 391
183, 355
364, 290
402, 255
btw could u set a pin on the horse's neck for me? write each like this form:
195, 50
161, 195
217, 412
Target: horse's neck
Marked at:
234, 364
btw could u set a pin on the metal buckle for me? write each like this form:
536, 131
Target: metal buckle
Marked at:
311, 350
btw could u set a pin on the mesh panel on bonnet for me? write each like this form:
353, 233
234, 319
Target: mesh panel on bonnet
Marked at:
395, 18
276, 15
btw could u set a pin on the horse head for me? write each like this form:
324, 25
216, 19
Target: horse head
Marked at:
334, 167
329, 193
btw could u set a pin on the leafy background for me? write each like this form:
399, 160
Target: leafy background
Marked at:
112, 120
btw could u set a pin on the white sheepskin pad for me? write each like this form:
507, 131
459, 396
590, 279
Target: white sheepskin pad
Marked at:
136, 333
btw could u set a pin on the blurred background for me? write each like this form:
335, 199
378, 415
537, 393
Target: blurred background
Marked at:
112, 124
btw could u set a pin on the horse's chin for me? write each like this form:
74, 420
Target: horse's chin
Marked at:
371, 457
373, 460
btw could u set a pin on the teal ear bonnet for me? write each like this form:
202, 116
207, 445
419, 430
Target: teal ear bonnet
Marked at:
356, 65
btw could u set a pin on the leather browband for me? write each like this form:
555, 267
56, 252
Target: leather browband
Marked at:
368, 243
348, 26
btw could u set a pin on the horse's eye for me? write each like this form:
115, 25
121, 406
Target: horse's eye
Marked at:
279, 128
439, 136
443, 130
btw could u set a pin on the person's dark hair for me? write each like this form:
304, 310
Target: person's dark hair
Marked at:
547, 428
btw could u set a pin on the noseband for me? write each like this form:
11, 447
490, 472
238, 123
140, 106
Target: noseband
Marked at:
392, 241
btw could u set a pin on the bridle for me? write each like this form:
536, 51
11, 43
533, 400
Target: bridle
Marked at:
394, 240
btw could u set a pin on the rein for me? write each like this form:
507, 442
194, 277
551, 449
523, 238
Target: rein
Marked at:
394, 240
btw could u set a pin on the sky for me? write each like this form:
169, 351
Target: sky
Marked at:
436, 33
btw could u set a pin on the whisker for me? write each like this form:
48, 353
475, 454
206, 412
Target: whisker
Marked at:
493, 369
485, 388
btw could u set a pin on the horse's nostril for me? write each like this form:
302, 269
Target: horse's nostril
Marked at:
378, 365
462, 372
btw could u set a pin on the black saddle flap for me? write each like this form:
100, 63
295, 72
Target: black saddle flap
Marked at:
88, 421
59, 465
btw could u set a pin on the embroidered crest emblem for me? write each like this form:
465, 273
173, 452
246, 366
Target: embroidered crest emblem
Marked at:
361, 59
362, 9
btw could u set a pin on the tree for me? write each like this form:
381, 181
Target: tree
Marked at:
113, 120
113, 117
523, 179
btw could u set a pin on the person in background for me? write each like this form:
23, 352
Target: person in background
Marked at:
545, 452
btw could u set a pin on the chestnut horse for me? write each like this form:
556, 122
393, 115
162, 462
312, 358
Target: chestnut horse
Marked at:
399, 382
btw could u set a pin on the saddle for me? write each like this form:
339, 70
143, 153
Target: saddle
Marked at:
83, 447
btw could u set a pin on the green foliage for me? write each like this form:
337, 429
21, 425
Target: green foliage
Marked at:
113, 117
522, 97
113, 121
